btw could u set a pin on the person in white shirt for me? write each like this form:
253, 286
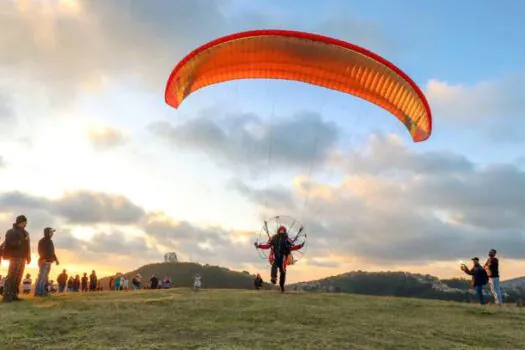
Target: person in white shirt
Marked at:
26, 284
197, 282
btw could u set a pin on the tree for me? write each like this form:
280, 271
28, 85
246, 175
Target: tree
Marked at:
170, 257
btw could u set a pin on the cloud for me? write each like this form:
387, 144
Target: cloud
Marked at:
106, 137
246, 140
2, 162
210, 244
388, 152
6, 110
82, 44
412, 213
495, 105
79, 207
153, 232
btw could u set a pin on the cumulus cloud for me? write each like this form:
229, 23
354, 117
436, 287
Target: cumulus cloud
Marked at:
80, 207
210, 244
155, 232
496, 105
106, 137
80, 44
388, 154
417, 214
249, 141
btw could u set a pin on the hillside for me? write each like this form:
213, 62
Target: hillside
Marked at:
515, 283
182, 274
233, 319
401, 284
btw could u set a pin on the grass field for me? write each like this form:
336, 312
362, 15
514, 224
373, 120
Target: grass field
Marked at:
226, 319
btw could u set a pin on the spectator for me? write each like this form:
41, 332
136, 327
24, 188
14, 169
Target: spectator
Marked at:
84, 282
26, 284
93, 281
76, 284
70, 284
17, 249
154, 282
258, 282
492, 268
479, 278
46, 252
197, 282
117, 281
167, 282
135, 282
62, 281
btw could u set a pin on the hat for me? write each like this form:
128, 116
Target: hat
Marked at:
20, 219
49, 230
475, 258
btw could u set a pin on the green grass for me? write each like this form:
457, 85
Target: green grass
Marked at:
231, 319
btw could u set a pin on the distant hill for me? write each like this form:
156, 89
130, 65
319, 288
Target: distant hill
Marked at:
514, 283
182, 274
403, 284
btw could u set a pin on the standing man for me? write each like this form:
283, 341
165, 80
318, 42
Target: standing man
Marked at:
46, 251
17, 249
492, 268
479, 278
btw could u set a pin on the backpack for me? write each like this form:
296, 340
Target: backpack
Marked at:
484, 277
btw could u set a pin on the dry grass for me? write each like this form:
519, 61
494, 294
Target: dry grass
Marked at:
228, 319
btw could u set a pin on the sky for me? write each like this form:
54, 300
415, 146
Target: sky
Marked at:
89, 147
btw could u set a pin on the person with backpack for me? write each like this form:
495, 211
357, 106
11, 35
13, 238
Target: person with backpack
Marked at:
17, 249
479, 278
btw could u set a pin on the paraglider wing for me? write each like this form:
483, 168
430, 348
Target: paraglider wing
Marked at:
305, 57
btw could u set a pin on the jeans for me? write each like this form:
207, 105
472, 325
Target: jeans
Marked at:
495, 289
61, 288
479, 292
42, 281
13, 279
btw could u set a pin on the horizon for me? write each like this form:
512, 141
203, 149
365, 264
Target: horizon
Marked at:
89, 147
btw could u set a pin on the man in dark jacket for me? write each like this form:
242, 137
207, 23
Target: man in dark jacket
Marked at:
479, 278
17, 249
492, 268
280, 256
258, 282
47, 256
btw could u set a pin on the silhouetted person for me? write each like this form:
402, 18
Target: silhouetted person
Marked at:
76, 284
93, 281
84, 282
154, 282
479, 278
70, 284
258, 282
62, 281
17, 250
492, 268
47, 256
